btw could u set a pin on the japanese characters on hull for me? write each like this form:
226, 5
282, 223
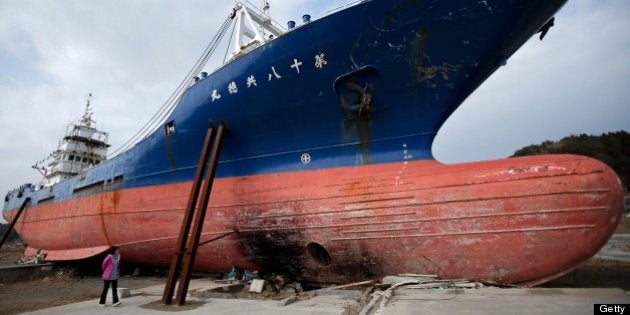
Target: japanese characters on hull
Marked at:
274, 74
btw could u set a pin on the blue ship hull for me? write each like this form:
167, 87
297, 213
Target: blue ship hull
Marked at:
282, 100
422, 58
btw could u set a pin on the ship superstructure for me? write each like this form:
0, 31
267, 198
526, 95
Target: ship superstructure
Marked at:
82, 147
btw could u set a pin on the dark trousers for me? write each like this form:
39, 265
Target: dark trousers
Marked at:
114, 290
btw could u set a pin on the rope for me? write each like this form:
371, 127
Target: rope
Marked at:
227, 47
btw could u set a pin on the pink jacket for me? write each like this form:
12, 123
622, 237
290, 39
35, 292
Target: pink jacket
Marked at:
108, 266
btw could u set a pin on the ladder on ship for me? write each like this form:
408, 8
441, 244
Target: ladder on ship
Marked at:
186, 250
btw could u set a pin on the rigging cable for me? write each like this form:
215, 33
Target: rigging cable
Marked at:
227, 47
170, 104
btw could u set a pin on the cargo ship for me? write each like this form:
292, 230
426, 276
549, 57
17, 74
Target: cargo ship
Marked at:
326, 172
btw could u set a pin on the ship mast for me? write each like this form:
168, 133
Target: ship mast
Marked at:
86, 119
252, 25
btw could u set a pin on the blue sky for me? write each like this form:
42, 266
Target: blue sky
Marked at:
132, 54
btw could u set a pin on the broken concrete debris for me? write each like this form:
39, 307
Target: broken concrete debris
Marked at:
257, 285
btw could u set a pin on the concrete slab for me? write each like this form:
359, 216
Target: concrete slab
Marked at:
148, 301
257, 285
403, 301
9, 273
501, 301
123, 293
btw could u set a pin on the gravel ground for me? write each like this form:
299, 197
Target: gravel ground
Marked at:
74, 283
69, 284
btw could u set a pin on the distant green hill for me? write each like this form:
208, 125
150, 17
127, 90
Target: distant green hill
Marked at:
612, 148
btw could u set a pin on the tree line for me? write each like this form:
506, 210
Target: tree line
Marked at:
612, 148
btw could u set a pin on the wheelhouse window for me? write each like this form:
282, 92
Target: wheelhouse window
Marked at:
169, 128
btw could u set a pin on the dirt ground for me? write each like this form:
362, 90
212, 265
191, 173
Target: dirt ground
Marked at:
60, 290
70, 283
80, 282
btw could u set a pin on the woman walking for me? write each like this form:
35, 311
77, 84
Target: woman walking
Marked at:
111, 271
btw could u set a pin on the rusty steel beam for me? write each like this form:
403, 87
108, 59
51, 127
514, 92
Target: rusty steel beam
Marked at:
169, 289
15, 218
193, 242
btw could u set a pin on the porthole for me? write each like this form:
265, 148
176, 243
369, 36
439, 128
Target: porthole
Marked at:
305, 158
319, 253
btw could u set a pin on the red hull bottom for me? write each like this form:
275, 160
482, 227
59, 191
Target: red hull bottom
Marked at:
524, 220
